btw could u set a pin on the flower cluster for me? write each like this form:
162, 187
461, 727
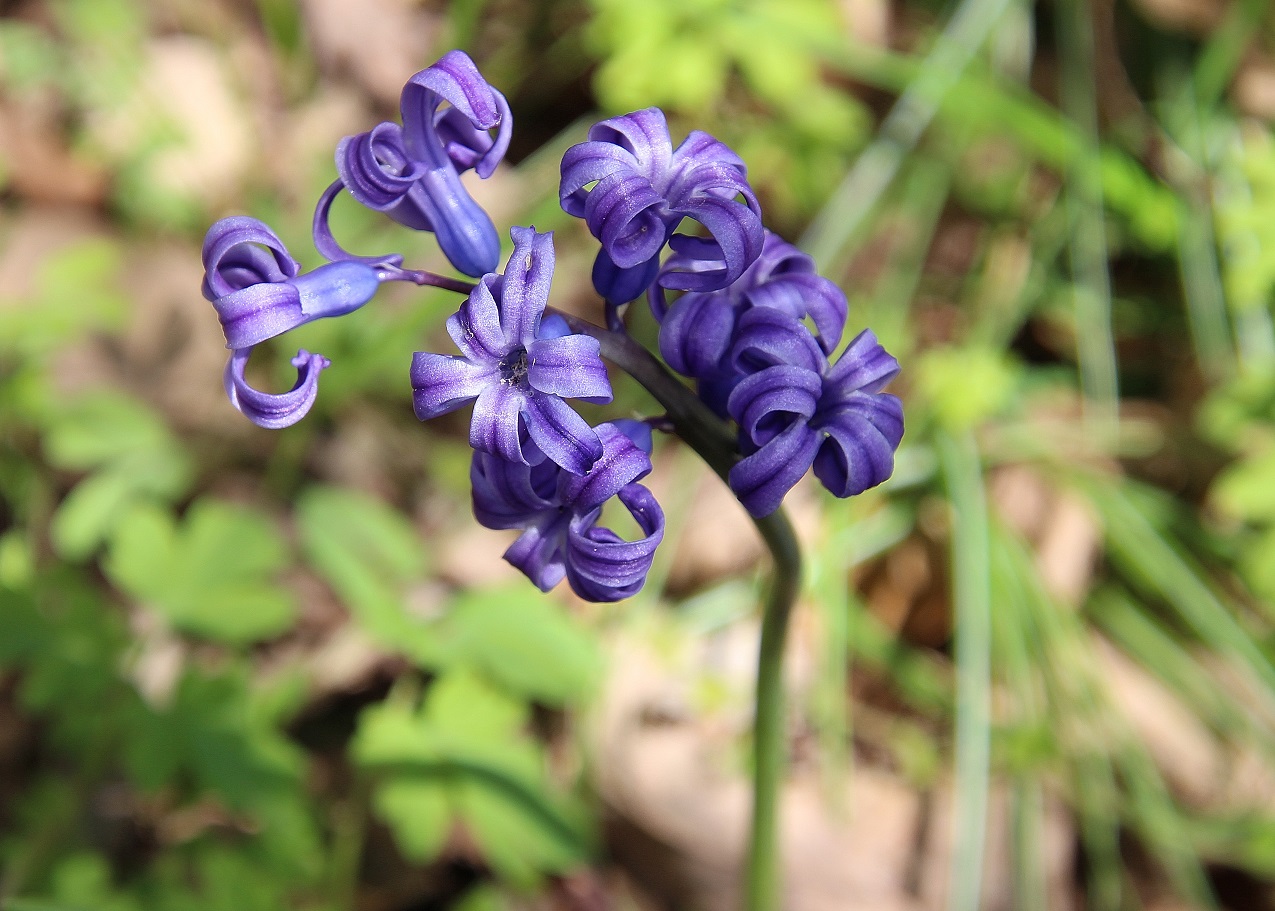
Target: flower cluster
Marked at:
741, 327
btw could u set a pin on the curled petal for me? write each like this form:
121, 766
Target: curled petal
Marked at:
270, 410
629, 217
696, 334
737, 230
863, 367
767, 402
441, 384
511, 494
602, 566
860, 440
538, 552
570, 367
241, 251
766, 337
806, 295
619, 286
561, 434
454, 79
326, 243
585, 164
252, 315
761, 480
643, 134
376, 168
622, 462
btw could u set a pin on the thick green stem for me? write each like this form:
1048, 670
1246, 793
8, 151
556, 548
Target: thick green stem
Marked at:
710, 437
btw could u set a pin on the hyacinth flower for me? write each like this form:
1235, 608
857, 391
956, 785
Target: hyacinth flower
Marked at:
412, 172
517, 367
558, 513
260, 292
697, 332
633, 189
796, 411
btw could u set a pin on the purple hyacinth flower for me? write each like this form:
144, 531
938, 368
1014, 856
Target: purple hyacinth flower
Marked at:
516, 368
797, 411
558, 513
260, 292
697, 332
412, 172
633, 190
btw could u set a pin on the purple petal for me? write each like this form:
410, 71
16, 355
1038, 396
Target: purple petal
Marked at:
376, 168
760, 481
465, 232
561, 434
252, 315
766, 337
619, 286
270, 410
538, 552
496, 426
601, 566
587, 163
736, 228
644, 134
626, 214
453, 79
863, 367
696, 334
441, 383
240, 251
860, 440
806, 295
528, 275
475, 327
569, 367
767, 402
508, 495
622, 462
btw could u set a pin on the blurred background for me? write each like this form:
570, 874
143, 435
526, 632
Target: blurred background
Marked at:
243, 669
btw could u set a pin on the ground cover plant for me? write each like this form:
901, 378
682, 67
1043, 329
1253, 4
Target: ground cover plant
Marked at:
287, 668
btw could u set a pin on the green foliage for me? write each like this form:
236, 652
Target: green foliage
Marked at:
212, 575
459, 758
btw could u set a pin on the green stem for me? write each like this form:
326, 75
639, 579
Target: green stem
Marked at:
712, 439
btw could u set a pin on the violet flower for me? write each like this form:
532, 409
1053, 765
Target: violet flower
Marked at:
697, 332
796, 411
412, 172
559, 513
633, 190
516, 368
259, 292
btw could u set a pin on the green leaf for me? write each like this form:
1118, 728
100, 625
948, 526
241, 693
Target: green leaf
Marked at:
211, 576
527, 643
420, 814
370, 555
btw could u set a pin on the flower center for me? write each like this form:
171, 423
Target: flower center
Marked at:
513, 369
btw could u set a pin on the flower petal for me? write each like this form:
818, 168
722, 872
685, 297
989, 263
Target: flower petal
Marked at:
863, 367
496, 426
622, 462
600, 565
270, 410
528, 275
561, 434
539, 553
251, 315
475, 327
766, 337
441, 383
509, 494
859, 443
569, 366
766, 402
696, 334
760, 481
241, 251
